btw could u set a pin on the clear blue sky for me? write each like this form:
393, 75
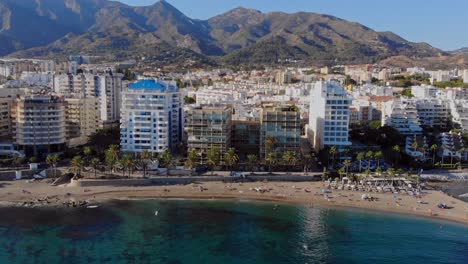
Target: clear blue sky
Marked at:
441, 23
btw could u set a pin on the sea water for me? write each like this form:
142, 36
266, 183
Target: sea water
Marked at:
184, 231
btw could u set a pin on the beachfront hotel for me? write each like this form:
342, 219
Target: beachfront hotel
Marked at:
329, 116
151, 117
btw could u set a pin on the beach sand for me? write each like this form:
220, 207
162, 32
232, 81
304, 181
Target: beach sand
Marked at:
307, 193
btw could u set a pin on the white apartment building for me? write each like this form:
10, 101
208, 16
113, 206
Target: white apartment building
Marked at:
465, 76
459, 112
451, 145
151, 117
425, 91
106, 87
329, 115
433, 113
403, 116
39, 124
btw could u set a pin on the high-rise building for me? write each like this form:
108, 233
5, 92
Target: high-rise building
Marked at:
209, 127
82, 119
280, 125
5, 118
109, 89
402, 115
151, 117
465, 76
106, 87
39, 124
329, 116
246, 137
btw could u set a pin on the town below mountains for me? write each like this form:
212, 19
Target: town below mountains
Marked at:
162, 35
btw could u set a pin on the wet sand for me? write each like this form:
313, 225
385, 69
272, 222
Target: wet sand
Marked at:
307, 193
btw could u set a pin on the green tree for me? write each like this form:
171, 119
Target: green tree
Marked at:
290, 158
378, 155
88, 152
434, 149
95, 165
52, 161
270, 143
145, 160
212, 158
166, 159
112, 156
231, 158
346, 165
77, 165
192, 160
333, 150
189, 100
252, 159
360, 157
271, 160
124, 164
370, 154
397, 150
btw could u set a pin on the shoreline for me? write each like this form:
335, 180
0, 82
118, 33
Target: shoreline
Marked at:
306, 193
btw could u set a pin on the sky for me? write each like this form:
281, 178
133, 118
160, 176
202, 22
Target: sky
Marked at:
441, 23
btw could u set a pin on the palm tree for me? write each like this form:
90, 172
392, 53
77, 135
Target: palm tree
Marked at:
333, 151
391, 172
77, 164
112, 156
397, 150
443, 153
212, 159
415, 146
271, 160
124, 163
131, 165
95, 165
166, 160
434, 148
252, 158
347, 164
270, 143
378, 155
192, 160
360, 157
52, 160
306, 160
370, 155
289, 157
87, 151
145, 159
231, 158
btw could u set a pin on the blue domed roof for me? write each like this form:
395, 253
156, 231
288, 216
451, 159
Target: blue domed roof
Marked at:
153, 85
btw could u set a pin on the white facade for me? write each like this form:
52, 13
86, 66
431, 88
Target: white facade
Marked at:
403, 116
425, 91
151, 117
329, 115
465, 76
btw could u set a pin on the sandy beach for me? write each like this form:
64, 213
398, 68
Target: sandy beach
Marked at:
307, 193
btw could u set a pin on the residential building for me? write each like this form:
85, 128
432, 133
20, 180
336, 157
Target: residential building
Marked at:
246, 137
39, 124
425, 91
403, 116
417, 147
209, 127
459, 113
151, 117
82, 119
465, 76
329, 116
5, 117
281, 123
109, 88
451, 145
433, 113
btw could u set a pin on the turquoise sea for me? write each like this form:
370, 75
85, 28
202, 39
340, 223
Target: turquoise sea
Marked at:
224, 232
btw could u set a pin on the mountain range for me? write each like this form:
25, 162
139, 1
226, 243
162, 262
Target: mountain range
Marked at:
161, 33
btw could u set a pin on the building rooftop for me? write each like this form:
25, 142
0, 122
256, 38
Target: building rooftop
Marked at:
153, 85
